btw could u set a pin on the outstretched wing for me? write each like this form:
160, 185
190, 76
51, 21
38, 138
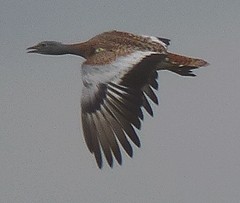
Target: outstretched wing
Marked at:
112, 97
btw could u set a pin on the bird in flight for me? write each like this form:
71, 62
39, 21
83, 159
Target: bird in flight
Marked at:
119, 77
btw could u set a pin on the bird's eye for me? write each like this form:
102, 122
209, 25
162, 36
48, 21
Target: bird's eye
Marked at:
43, 44
99, 50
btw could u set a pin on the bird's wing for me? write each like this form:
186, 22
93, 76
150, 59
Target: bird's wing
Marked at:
112, 97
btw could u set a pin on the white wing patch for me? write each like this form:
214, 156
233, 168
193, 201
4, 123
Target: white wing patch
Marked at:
93, 76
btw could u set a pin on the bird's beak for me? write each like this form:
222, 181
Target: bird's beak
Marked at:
32, 49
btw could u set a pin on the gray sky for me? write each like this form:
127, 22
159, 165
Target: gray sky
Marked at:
190, 149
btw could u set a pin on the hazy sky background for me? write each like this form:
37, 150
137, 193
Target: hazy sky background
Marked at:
191, 148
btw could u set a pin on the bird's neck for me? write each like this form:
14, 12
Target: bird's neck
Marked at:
79, 49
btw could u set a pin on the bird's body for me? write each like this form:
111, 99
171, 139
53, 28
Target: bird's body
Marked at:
119, 76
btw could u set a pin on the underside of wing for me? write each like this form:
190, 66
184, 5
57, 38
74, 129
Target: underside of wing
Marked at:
113, 95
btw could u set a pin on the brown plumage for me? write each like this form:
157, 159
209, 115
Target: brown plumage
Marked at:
119, 77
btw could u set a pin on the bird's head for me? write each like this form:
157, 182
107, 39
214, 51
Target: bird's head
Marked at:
48, 47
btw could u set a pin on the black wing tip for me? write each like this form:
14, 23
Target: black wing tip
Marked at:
99, 164
130, 152
137, 142
119, 160
164, 40
111, 163
185, 71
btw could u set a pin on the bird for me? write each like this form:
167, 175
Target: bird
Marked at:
119, 78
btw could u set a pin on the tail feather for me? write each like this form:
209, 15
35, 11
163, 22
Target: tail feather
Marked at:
185, 61
182, 65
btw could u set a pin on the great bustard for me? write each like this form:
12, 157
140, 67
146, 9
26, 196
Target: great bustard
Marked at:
119, 75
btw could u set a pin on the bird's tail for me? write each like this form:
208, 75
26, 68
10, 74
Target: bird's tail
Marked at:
182, 65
